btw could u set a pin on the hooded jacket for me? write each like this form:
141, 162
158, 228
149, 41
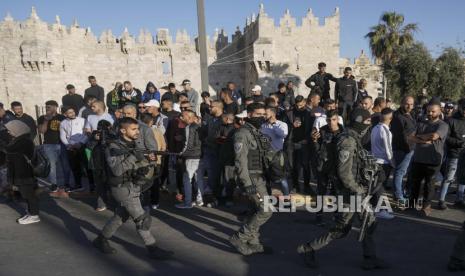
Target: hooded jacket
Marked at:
147, 96
455, 141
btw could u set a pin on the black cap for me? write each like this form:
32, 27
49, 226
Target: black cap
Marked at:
359, 115
69, 86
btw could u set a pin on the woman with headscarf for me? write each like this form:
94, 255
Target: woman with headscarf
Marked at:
20, 173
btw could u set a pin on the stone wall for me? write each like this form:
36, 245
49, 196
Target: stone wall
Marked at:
39, 59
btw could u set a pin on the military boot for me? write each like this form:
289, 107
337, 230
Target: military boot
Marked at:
456, 265
102, 244
371, 263
258, 248
158, 253
240, 246
308, 254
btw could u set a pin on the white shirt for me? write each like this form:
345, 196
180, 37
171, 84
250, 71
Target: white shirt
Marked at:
92, 120
72, 131
381, 144
321, 121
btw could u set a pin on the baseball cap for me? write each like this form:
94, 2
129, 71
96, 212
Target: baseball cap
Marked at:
184, 82
256, 88
152, 102
242, 115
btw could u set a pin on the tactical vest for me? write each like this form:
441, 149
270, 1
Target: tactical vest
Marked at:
126, 178
255, 159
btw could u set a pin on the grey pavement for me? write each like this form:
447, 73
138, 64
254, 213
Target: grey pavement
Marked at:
61, 243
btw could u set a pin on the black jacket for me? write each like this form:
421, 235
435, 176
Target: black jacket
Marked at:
96, 91
321, 81
456, 139
75, 101
19, 171
346, 90
402, 125
193, 148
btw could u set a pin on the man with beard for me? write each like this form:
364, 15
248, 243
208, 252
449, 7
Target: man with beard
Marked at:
429, 138
298, 120
325, 143
349, 176
346, 93
250, 147
127, 168
321, 79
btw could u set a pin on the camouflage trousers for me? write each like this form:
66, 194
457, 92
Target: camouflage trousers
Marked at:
342, 227
249, 232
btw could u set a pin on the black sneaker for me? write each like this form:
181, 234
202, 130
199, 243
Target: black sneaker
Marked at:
442, 205
308, 255
158, 253
102, 244
53, 188
374, 263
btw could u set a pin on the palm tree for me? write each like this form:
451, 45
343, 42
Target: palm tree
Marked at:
387, 37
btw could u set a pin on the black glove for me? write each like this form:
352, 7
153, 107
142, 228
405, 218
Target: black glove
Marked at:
139, 155
251, 190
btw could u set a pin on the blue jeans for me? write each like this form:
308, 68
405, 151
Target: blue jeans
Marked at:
402, 163
284, 186
451, 168
192, 168
54, 155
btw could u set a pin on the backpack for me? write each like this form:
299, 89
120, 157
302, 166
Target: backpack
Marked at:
366, 162
39, 163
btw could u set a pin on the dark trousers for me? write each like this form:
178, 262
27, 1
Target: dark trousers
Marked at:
301, 161
76, 159
229, 181
28, 193
344, 110
102, 188
420, 172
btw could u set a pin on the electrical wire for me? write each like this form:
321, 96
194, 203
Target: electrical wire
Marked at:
235, 60
235, 53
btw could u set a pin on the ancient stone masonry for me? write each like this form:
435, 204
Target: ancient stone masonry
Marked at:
39, 59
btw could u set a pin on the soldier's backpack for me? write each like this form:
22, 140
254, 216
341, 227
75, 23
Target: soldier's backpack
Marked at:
366, 162
39, 163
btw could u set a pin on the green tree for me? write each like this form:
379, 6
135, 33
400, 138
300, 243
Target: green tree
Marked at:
446, 78
386, 39
413, 68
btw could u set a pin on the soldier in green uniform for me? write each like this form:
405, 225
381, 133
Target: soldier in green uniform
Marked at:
249, 146
348, 165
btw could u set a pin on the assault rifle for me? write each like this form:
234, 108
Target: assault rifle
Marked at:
117, 152
371, 175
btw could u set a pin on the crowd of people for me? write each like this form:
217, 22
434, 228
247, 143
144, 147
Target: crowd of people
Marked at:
194, 141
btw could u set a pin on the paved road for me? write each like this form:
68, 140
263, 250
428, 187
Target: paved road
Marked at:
60, 244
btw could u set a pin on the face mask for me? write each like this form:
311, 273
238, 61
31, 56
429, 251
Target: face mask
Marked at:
257, 122
360, 127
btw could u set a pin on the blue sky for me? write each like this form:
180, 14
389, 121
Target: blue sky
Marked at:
442, 23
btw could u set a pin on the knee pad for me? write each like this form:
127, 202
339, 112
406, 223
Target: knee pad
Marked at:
143, 222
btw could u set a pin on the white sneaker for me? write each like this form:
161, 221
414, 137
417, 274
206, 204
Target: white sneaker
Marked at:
29, 220
199, 203
183, 206
383, 214
155, 206
22, 218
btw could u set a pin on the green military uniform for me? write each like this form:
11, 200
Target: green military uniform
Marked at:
250, 170
348, 172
